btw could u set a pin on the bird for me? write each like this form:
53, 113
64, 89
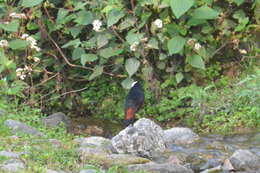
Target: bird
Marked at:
133, 102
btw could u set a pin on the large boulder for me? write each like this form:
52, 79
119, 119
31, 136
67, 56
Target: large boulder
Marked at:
17, 127
159, 168
245, 160
101, 151
145, 138
57, 119
180, 135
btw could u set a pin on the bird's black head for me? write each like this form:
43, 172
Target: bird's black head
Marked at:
128, 122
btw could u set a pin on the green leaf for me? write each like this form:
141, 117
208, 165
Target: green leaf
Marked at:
176, 44
109, 52
76, 54
128, 22
62, 13
132, 65
74, 43
98, 70
132, 37
75, 31
88, 58
197, 61
239, 2
30, 3
102, 39
179, 7
114, 16
205, 12
179, 76
18, 44
153, 44
84, 17
11, 27
127, 83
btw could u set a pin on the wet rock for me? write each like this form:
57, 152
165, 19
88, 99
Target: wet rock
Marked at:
217, 169
160, 168
57, 119
196, 160
180, 135
227, 166
211, 163
17, 126
245, 160
144, 138
256, 138
53, 171
94, 130
8, 154
13, 165
126, 159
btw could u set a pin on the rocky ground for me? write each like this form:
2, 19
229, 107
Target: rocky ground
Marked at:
146, 146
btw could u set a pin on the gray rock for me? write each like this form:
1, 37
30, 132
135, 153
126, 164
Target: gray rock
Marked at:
8, 154
159, 168
13, 165
17, 126
211, 163
57, 119
180, 135
144, 138
94, 145
90, 171
245, 160
213, 170
53, 171
126, 159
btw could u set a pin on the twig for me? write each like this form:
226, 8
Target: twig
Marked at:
73, 91
74, 65
118, 36
221, 47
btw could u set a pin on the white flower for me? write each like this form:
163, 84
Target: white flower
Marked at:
134, 46
158, 23
36, 59
3, 43
32, 41
17, 15
97, 25
242, 51
22, 76
197, 46
24, 36
191, 41
19, 70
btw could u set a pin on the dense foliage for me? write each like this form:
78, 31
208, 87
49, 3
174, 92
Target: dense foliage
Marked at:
79, 55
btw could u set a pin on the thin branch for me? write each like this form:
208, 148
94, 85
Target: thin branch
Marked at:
74, 65
219, 49
117, 35
73, 91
